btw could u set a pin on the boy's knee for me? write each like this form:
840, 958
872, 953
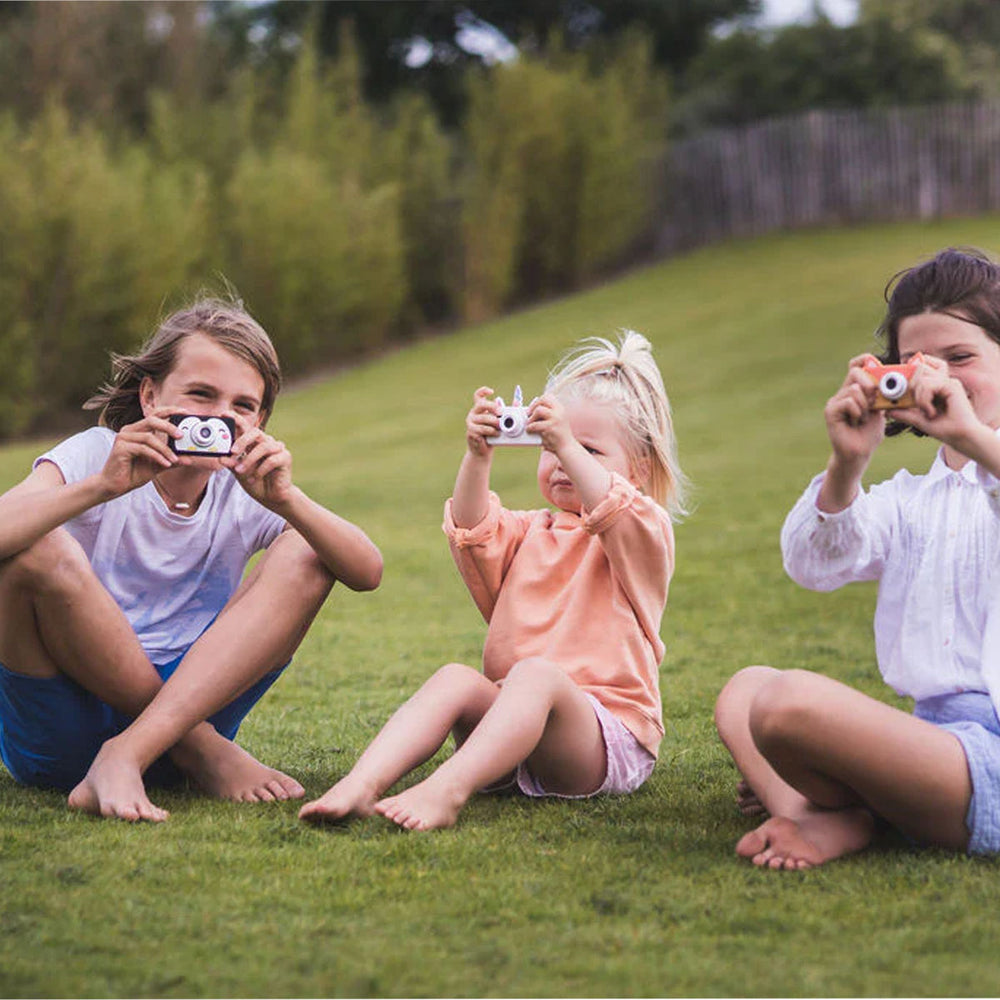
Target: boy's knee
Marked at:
55, 563
297, 566
784, 708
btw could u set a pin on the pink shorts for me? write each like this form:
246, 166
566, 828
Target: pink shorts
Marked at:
629, 762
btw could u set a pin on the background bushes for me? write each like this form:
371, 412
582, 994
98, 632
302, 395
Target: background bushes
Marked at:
340, 227
557, 186
93, 240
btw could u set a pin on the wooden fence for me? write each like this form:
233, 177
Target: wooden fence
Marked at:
832, 167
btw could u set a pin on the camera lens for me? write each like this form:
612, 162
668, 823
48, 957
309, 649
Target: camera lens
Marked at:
203, 434
512, 423
893, 385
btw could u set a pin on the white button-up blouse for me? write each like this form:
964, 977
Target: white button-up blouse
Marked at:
933, 543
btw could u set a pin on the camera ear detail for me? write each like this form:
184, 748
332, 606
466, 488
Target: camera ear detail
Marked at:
211, 436
513, 423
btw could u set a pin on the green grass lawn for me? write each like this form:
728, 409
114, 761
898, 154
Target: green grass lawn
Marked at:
629, 897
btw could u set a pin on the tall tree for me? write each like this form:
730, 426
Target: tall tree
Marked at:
420, 45
970, 29
103, 60
750, 75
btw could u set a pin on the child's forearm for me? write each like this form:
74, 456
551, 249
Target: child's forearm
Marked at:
346, 551
591, 479
471, 497
30, 510
840, 485
982, 446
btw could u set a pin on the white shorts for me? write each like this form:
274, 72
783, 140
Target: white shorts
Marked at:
629, 762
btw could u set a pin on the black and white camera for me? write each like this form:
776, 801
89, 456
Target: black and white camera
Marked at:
211, 436
513, 423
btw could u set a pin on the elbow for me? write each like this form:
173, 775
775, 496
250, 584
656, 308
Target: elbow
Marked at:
375, 572
369, 576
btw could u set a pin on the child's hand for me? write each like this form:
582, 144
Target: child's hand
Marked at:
855, 429
941, 406
261, 464
139, 452
482, 422
547, 418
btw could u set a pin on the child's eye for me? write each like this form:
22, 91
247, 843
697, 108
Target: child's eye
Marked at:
591, 449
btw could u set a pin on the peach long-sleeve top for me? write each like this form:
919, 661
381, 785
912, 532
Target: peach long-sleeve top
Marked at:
585, 591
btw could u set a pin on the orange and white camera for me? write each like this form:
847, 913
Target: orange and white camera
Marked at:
892, 381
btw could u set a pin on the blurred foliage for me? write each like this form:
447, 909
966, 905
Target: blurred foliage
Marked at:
750, 75
968, 29
385, 31
353, 193
341, 223
91, 242
556, 159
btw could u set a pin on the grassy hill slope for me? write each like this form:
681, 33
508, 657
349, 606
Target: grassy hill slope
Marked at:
640, 896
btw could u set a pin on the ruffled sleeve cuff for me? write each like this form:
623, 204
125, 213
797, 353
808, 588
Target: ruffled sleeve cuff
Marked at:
830, 535
463, 538
835, 521
821, 550
620, 496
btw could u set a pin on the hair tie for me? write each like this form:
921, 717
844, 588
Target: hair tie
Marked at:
613, 368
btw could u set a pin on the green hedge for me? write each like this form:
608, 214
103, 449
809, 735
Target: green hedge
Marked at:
91, 243
338, 225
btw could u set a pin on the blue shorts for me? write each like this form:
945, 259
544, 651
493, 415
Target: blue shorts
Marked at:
51, 728
971, 717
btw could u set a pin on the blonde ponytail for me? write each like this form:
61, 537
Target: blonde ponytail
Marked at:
626, 376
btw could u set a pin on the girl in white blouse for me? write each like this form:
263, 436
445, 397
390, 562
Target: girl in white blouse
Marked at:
822, 759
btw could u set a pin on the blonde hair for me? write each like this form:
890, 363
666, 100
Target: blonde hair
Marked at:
626, 376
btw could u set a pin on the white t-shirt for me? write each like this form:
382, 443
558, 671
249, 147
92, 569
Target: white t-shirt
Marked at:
170, 574
933, 544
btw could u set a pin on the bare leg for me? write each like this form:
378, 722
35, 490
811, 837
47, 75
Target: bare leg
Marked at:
256, 632
822, 757
540, 716
56, 618
456, 697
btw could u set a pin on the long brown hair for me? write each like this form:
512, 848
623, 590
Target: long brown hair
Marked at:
227, 323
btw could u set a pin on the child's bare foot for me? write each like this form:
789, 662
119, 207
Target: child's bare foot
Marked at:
427, 806
113, 787
226, 771
747, 801
349, 797
793, 845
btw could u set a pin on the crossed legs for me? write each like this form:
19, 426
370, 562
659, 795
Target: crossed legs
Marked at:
538, 715
57, 618
823, 758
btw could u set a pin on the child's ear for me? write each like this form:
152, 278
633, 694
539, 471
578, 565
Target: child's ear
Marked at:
147, 394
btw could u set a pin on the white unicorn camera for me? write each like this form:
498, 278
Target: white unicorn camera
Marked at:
211, 436
514, 423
